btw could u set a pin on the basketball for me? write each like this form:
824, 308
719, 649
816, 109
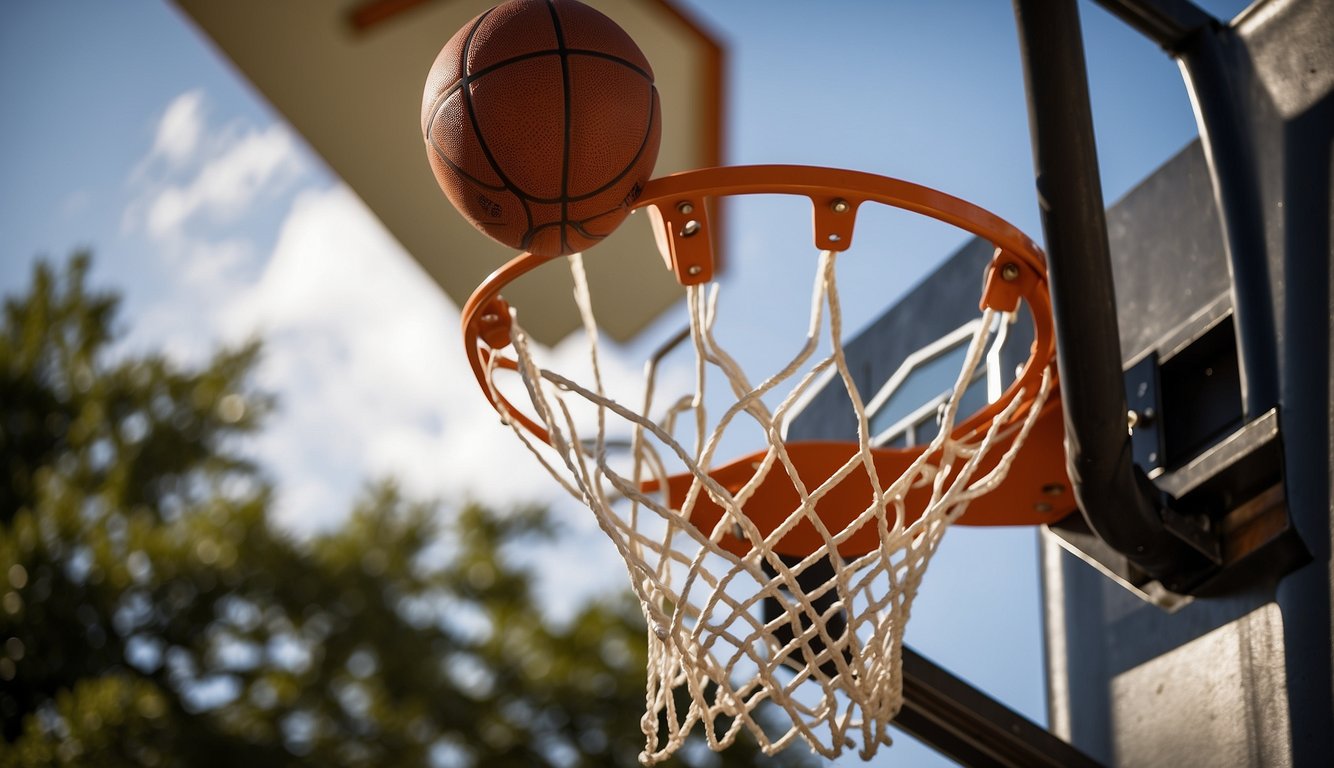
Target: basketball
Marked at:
542, 124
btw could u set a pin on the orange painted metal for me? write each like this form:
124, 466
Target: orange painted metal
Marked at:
1036, 489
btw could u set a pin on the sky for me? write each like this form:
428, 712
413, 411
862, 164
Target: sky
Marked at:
124, 131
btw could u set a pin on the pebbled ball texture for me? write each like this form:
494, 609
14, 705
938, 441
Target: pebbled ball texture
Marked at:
542, 124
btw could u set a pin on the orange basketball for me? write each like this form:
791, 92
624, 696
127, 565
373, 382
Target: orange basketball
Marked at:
542, 124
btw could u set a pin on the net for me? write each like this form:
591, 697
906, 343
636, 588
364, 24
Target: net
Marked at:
777, 587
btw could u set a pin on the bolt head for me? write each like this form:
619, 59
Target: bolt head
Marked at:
1010, 272
840, 206
685, 207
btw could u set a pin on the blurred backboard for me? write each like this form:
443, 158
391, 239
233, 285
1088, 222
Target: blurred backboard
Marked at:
348, 76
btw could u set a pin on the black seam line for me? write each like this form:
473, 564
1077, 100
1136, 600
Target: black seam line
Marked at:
643, 144
477, 128
565, 155
462, 67
435, 112
609, 57
456, 168
578, 226
488, 69
526, 241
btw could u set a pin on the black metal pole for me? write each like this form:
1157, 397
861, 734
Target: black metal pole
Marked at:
1166, 22
1216, 69
1229, 147
972, 728
1118, 501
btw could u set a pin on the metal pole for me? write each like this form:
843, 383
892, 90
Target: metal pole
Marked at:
972, 728
1216, 71
1118, 501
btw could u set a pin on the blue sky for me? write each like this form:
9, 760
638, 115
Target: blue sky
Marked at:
126, 132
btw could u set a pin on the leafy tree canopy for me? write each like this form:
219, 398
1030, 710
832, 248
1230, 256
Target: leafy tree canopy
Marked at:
151, 615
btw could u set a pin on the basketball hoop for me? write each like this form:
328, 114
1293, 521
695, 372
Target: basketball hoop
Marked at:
705, 547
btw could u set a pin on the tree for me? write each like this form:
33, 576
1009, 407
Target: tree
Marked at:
150, 614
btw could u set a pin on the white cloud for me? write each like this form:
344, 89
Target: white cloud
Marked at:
227, 183
179, 130
366, 354
361, 348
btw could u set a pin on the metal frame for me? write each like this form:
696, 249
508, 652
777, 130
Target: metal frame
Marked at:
1121, 506
907, 423
968, 726
1119, 503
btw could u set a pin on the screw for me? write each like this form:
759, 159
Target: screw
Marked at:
1053, 489
690, 228
840, 206
490, 317
834, 238
1042, 506
1010, 273
685, 207
695, 269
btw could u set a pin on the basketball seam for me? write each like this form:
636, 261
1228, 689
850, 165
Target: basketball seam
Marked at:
477, 128
490, 68
643, 144
565, 152
578, 226
567, 198
456, 168
444, 157
467, 78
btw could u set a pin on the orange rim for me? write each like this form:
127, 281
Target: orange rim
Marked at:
677, 204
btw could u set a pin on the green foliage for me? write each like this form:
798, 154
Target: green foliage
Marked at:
150, 615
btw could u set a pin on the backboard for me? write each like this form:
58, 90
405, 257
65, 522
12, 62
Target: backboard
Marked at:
1222, 293
348, 75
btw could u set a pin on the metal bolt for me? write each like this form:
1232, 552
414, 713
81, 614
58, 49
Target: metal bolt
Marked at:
1042, 507
840, 206
695, 269
685, 207
1053, 489
834, 238
1010, 272
490, 317
690, 228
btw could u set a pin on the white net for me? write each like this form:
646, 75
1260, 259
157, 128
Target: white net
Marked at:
740, 636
